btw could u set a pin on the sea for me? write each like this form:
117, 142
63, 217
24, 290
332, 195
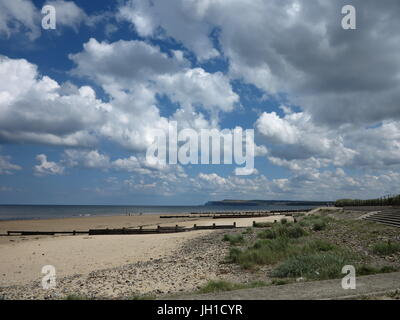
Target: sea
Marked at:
23, 212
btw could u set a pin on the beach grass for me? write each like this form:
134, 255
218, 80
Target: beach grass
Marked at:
385, 248
364, 270
248, 231
142, 297
288, 230
295, 250
272, 251
312, 266
316, 222
263, 224
280, 282
233, 239
74, 296
221, 285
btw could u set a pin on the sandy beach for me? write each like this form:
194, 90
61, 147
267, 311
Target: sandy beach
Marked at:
22, 257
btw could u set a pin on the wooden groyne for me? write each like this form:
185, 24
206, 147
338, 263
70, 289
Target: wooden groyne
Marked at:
214, 226
254, 212
121, 231
160, 229
237, 214
254, 215
42, 233
139, 230
171, 217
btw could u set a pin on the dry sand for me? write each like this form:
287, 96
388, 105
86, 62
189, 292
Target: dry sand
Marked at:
22, 262
22, 258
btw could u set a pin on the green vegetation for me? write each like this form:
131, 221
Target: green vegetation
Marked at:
73, 296
365, 270
248, 231
262, 224
288, 231
233, 239
318, 226
321, 266
327, 265
272, 251
280, 282
267, 234
316, 223
296, 250
142, 297
383, 201
386, 248
220, 285
299, 214
367, 231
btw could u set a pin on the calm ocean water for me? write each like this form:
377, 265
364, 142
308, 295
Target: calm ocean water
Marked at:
11, 212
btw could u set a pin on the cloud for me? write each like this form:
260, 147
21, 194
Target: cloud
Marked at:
6, 167
138, 13
45, 167
126, 64
276, 129
135, 74
68, 14
295, 141
303, 185
296, 136
299, 48
19, 16
340, 90
172, 17
36, 109
23, 17
198, 87
86, 159
122, 63
310, 179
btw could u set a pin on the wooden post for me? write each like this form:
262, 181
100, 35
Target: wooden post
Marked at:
234, 224
254, 224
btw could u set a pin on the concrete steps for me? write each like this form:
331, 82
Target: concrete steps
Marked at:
388, 217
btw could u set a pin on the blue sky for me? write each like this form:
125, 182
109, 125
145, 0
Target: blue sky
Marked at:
78, 103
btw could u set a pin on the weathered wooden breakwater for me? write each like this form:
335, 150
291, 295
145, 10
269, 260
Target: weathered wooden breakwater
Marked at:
122, 231
159, 229
172, 229
48, 233
236, 214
